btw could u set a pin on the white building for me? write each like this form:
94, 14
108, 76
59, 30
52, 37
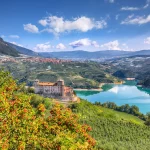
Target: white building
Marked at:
52, 89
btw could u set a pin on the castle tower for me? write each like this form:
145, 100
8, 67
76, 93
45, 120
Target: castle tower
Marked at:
35, 84
61, 84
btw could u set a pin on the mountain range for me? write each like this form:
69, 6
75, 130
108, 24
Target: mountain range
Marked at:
102, 55
7, 48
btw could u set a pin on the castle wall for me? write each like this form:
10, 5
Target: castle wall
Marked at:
57, 89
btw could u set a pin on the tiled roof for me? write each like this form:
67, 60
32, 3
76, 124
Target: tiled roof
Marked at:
47, 84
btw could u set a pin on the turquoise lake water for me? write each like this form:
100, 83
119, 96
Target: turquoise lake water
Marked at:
127, 93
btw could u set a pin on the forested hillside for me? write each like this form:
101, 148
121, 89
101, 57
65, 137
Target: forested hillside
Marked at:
5, 49
131, 67
23, 50
75, 74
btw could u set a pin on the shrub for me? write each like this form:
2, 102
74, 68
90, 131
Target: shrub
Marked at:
22, 127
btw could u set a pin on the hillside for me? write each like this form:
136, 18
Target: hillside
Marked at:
142, 52
23, 50
131, 67
5, 49
75, 74
113, 130
145, 82
24, 125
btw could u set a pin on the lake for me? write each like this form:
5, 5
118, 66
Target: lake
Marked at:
127, 93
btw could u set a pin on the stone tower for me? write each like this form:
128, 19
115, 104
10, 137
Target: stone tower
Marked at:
35, 84
60, 83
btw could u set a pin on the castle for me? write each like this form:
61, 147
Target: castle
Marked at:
57, 89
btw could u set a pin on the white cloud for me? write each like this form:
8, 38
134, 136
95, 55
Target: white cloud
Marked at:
84, 42
130, 8
42, 47
95, 44
14, 36
58, 25
16, 44
113, 45
31, 28
111, 1
60, 46
126, 47
147, 40
127, 8
136, 20
43, 22
147, 4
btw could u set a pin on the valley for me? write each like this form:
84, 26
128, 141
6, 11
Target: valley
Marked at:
75, 75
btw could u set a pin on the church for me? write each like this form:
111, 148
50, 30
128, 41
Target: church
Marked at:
57, 89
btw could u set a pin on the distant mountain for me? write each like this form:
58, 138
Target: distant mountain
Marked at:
6, 49
23, 50
142, 53
80, 54
105, 54
14, 50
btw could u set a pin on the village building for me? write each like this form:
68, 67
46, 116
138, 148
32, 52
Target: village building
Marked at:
49, 89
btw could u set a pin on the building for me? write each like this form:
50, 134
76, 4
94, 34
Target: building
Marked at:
130, 79
57, 89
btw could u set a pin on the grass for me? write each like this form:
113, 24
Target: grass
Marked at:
121, 115
113, 130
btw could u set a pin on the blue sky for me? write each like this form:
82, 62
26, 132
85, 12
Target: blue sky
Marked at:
61, 25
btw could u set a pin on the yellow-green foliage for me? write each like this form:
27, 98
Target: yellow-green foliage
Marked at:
22, 127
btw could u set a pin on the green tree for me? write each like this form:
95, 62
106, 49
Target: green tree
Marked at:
24, 127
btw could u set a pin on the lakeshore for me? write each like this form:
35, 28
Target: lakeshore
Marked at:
127, 93
100, 86
88, 89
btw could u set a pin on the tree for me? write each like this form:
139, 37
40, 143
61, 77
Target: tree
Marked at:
134, 110
23, 127
147, 122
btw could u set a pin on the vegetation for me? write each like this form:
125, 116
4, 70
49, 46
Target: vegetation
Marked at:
23, 50
145, 82
75, 74
147, 122
24, 127
131, 67
5, 49
112, 129
133, 110
29, 121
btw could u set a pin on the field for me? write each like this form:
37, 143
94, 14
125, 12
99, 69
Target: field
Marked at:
113, 130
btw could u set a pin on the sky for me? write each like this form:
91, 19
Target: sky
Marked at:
66, 25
